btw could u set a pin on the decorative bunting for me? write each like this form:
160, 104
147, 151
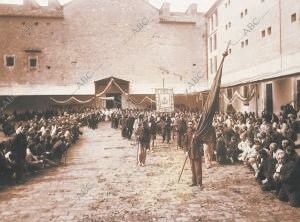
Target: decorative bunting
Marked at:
236, 95
72, 98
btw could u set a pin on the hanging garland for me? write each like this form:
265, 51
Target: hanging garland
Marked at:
143, 100
72, 98
112, 81
236, 95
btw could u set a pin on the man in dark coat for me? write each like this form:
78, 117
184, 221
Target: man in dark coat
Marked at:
181, 130
221, 149
288, 178
129, 125
19, 145
195, 150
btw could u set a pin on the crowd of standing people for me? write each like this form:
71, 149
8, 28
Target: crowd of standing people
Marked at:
265, 144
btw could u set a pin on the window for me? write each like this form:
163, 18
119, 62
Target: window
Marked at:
263, 33
226, 27
33, 62
242, 44
216, 19
216, 64
211, 66
225, 5
228, 2
212, 23
10, 61
269, 31
242, 14
293, 17
246, 11
210, 44
229, 51
246, 42
215, 41
229, 24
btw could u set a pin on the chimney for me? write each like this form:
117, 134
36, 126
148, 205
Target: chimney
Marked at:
32, 4
192, 10
54, 4
165, 9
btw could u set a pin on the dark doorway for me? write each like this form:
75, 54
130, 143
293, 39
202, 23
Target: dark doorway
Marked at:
116, 103
269, 98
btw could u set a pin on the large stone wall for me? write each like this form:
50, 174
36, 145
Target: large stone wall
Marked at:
99, 39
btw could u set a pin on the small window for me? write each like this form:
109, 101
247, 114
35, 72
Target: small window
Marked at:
263, 33
225, 5
229, 51
269, 31
246, 11
228, 2
293, 17
242, 14
229, 24
10, 61
211, 66
32, 63
246, 42
226, 27
242, 44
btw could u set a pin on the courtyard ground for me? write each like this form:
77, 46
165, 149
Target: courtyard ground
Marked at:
101, 182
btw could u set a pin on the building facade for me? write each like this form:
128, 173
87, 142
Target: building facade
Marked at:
55, 52
262, 70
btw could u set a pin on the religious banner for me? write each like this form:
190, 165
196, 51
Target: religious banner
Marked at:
164, 100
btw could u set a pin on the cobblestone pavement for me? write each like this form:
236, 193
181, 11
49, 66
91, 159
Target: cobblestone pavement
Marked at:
101, 182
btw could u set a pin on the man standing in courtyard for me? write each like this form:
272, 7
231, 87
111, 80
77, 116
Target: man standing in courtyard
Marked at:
194, 150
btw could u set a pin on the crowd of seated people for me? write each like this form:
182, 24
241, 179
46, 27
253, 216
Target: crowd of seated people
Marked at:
39, 141
266, 145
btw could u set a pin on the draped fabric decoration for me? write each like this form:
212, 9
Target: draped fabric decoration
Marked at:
106, 98
204, 127
112, 81
238, 96
72, 99
143, 100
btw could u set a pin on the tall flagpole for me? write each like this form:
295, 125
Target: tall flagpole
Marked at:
207, 116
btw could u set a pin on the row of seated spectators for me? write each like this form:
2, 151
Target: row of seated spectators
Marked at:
266, 145
40, 140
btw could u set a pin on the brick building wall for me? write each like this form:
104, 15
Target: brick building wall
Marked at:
99, 39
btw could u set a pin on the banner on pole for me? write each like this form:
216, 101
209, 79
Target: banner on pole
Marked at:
164, 100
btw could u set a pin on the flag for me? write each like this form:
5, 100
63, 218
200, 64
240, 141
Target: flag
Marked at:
211, 105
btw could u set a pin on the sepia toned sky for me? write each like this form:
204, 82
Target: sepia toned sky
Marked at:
176, 5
